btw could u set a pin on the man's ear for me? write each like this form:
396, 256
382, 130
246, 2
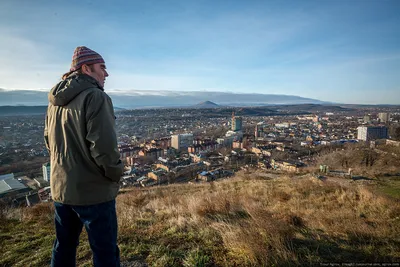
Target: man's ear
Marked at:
85, 69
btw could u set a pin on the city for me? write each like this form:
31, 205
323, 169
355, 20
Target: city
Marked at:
165, 146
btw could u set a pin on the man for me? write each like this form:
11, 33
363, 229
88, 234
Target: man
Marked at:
85, 162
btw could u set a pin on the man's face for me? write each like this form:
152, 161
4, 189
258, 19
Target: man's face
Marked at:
98, 72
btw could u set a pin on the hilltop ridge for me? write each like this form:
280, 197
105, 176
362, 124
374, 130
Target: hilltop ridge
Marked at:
248, 220
206, 104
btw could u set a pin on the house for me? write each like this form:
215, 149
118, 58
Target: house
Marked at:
153, 153
208, 176
159, 175
263, 165
163, 166
205, 176
7, 176
261, 151
32, 199
10, 187
289, 166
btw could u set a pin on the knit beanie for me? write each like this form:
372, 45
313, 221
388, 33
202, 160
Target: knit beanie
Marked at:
83, 55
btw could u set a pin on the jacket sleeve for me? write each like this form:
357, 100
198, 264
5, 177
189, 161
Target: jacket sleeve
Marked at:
100, 126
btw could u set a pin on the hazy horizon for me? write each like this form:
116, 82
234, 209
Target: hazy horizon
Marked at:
143, 98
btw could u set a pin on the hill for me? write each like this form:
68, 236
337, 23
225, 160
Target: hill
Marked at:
206, 104
149, 98
29, 110
313, 108
375, 162
248, 220
22, 110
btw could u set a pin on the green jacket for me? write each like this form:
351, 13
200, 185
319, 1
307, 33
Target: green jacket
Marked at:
80, 136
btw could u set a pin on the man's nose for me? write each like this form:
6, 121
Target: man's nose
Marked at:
106, 73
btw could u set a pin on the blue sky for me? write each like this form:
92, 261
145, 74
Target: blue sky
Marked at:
341, 51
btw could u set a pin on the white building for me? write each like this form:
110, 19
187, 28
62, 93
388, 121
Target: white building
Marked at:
368, 133
225, 142
282, 125
384, 117
181, 141
234, 135
46, 172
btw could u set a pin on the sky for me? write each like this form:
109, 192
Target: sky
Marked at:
345, 51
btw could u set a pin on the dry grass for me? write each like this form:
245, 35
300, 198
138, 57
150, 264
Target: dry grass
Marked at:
241, 222
363, 160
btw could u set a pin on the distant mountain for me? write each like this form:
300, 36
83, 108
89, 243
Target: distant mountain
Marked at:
260, 111
147, 98
29, 110
311, 108
22, 110
206, 104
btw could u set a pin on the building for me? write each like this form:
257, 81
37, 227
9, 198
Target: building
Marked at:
236, 123
128, 151
226, 142
289, 166
384, 117
163, 143
368, 133
11, 186
259, 131
130, 161
237, 144
159, 175
204, 146
181, 141
7, 176
282, 125
46, 171
367, 119
234, 135
153, 153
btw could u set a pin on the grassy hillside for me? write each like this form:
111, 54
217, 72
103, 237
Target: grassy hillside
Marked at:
380, 161
243, 221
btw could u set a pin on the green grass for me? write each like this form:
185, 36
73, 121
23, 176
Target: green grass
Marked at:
390, 186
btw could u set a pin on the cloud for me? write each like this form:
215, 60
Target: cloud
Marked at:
26, 64
151, 82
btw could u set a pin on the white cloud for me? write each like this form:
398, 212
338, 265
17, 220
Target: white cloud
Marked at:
121, 80
26, 64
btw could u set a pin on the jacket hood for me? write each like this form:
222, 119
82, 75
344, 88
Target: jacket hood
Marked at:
65, 91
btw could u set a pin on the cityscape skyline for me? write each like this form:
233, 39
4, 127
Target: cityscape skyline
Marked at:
343, 52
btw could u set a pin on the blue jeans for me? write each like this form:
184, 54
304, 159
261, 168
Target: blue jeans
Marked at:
100, 221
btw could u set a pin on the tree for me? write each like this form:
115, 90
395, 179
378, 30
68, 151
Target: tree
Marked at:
394, 131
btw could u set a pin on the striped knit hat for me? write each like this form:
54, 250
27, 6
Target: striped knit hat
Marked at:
83, 55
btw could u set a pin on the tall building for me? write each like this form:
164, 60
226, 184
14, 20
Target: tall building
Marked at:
259, 131
226, 141
236, 123
383, 117
367, 119
181, 141
368, 133
46, 172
